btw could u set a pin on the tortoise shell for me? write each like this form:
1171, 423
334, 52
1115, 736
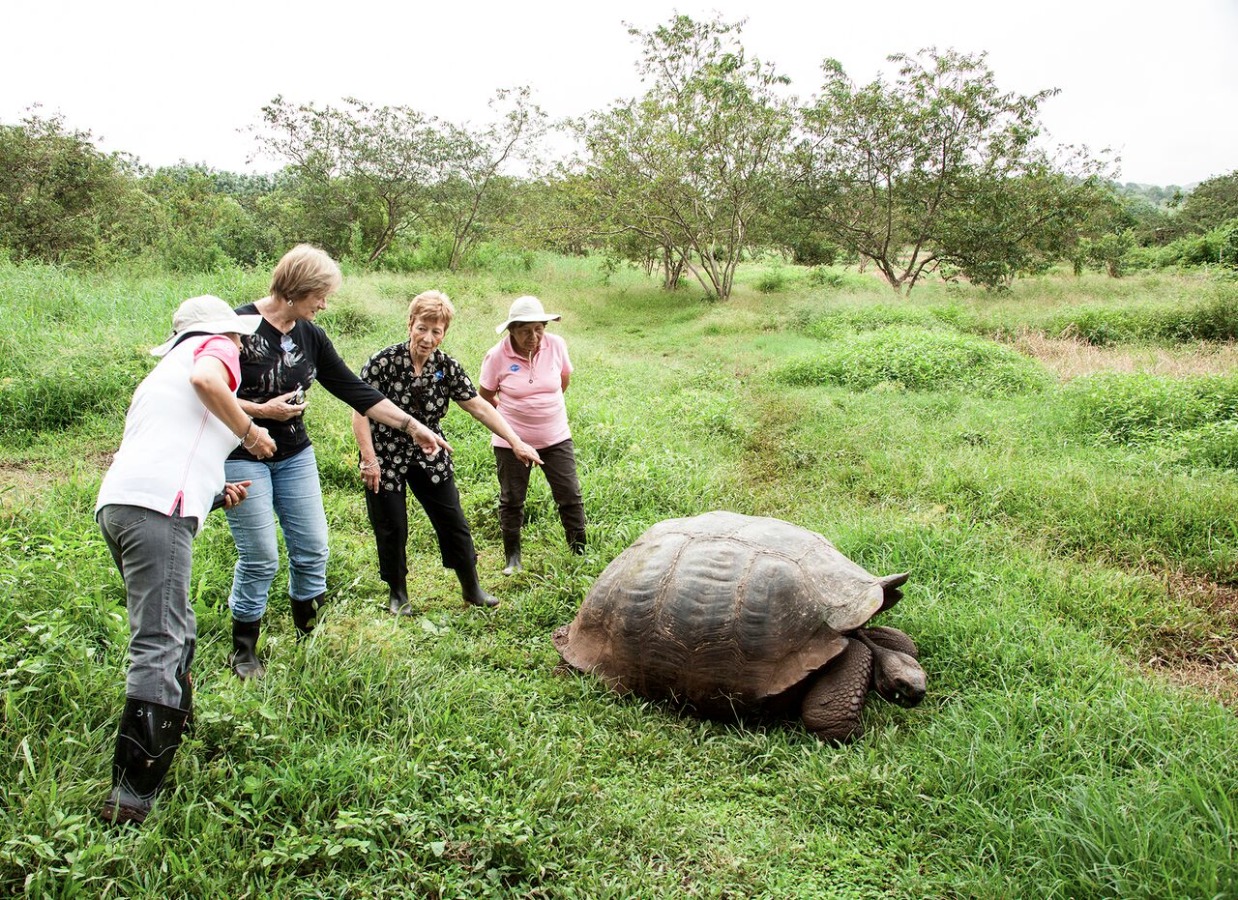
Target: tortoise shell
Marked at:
723, 611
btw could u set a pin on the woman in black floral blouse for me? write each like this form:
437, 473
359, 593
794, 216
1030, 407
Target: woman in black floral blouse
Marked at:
422, 380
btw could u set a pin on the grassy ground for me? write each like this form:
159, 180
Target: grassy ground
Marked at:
1056, 468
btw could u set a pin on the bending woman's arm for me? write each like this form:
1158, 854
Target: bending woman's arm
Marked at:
210, 381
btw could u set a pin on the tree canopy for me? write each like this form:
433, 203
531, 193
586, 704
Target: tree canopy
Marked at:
686, 170
935, 170
938, 168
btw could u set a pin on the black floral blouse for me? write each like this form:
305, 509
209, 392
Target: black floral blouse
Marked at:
425, 397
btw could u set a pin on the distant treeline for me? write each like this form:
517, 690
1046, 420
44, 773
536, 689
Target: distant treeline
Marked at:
935, 172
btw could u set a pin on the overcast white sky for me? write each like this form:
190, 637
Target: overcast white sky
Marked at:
1155, 81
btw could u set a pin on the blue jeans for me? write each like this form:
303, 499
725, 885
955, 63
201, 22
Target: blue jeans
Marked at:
154, 553
290, 490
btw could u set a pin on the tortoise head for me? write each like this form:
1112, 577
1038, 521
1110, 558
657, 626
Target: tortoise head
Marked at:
897, 676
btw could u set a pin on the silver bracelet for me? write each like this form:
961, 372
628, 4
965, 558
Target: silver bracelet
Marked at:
365, 468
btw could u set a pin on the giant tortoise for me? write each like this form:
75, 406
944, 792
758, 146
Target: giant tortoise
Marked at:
727, 614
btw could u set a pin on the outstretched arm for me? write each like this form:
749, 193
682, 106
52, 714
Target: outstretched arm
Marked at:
389, 414
483, 412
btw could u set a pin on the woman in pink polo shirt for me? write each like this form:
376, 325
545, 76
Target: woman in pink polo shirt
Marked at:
524, 376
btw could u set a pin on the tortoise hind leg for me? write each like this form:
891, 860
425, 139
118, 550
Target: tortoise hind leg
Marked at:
831, 708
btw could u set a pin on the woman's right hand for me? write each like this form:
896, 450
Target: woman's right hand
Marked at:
281, 408
371, 473
262, 446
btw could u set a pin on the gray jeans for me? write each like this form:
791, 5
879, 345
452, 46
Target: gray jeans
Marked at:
154, 553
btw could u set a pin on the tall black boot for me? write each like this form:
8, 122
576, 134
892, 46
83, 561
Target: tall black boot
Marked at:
185, 680
145, 747
397, 600
576, 543
244, 659
511, 552
471, 590
305, 614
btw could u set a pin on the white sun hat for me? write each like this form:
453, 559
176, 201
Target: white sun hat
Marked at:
527, 309
206, 315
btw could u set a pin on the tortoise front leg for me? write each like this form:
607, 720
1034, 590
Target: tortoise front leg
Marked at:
831, 708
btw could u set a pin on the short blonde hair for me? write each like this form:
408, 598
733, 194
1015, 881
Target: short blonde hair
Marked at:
305, 271
431, 305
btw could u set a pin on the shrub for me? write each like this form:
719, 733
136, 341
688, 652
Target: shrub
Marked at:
917, 359
772, 282
1214, 444
1135, 409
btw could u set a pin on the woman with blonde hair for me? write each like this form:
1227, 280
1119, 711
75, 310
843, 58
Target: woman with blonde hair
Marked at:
280, 363
423, 380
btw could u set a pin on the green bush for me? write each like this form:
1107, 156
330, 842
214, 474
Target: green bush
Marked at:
772, 281
1134, 409
916, 359
1214, 444
874, 318
1215, 318
62, 398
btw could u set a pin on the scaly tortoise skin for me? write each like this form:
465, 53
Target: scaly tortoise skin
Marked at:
726, 614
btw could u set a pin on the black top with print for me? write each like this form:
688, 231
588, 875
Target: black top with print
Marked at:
272, 364
425, 397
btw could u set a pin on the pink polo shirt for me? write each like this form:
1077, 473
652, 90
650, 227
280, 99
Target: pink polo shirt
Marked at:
530, 396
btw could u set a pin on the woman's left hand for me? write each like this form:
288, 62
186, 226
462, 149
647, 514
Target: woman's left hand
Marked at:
235, 492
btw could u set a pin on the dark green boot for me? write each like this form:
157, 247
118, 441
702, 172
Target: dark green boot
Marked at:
397, 600
145, 747
471, 590
511, 552
244, 659
185, 680
305, 614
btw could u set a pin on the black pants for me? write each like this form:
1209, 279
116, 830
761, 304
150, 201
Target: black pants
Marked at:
559, 466
388, 511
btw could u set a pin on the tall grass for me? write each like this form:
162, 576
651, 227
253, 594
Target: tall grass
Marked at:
441, 755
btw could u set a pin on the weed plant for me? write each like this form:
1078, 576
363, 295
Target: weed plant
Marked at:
1063, 552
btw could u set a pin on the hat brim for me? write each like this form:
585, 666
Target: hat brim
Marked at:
517, 320
232, 325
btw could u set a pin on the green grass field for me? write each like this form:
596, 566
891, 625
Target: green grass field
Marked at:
1056, 467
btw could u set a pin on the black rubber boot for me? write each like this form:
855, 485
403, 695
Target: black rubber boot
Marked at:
471, 591
397, 600
511, 552
576, 542
305, 614
185, 680
244, 659
145, 747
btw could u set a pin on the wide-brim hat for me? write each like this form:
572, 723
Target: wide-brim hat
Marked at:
526, 309
206, 315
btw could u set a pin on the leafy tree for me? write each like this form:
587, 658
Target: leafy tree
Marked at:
1210, 205
470, 191
200, 225
685, 171
363, 173
61, 198
938, 168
